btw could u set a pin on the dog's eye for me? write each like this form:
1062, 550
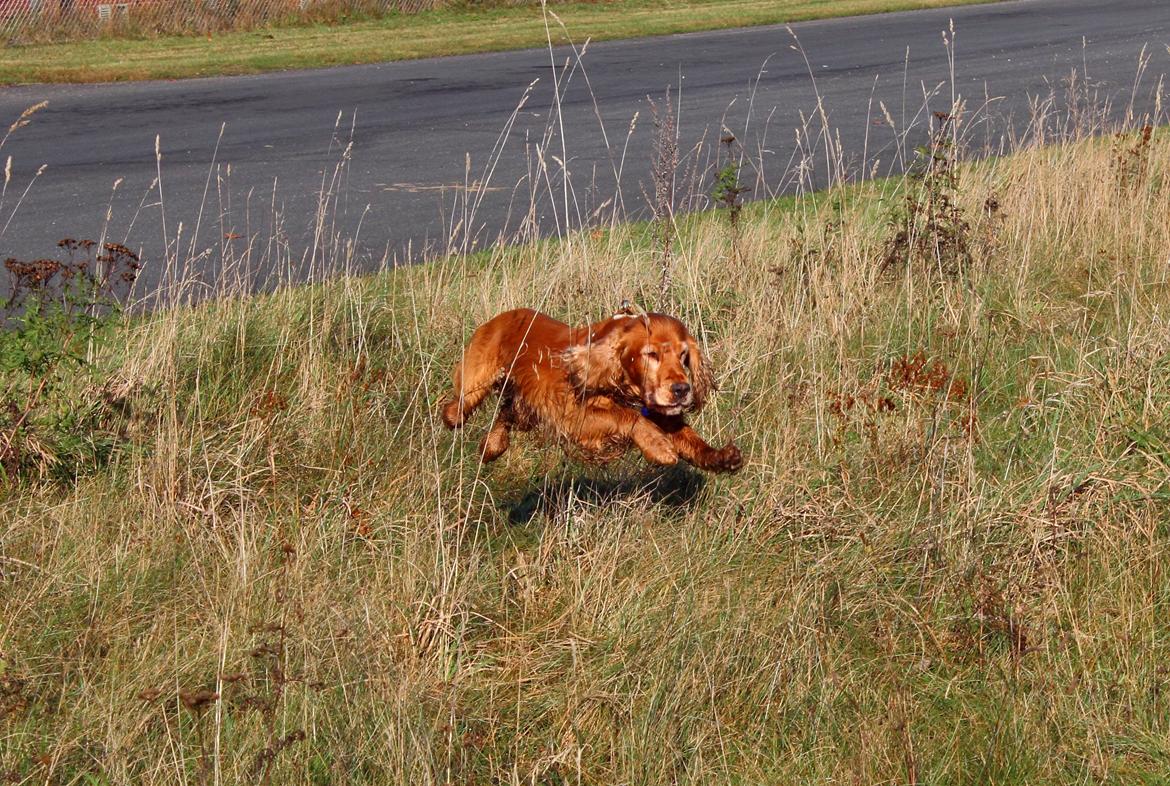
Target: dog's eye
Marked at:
652, 355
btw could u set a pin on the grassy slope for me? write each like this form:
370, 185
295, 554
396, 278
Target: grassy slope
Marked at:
399, 37
967, 589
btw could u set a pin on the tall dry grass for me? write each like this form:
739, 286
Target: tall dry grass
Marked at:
945, 560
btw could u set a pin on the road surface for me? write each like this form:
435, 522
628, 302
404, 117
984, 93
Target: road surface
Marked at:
244, 161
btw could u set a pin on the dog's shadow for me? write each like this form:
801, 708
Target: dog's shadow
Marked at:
677, 487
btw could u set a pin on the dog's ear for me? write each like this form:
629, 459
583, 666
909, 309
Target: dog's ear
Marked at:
702, 380
594, 366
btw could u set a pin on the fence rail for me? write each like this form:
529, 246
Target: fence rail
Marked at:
27, 21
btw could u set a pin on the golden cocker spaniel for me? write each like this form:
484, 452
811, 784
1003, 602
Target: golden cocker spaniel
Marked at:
625, 381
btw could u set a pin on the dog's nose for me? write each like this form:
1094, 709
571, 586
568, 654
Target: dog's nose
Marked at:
680, 390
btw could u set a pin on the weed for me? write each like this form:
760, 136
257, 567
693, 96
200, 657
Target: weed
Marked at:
664, 165
727, 193
992, 622
930, 231
918, 374
196, 702
55, 407
1131, 161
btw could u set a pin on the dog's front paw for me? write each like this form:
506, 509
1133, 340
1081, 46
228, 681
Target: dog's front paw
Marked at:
727, 459
656, 447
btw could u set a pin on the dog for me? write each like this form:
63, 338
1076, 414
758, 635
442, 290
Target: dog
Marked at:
627, 381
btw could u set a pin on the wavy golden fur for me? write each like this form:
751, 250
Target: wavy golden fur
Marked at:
624, 382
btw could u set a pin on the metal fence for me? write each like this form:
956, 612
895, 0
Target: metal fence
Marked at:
28, 21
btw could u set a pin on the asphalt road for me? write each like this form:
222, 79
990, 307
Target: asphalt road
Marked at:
392, 145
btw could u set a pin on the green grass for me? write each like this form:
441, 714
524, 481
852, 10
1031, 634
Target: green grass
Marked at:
401, 37
956, 589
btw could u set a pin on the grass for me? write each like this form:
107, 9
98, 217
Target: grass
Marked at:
450, 31
945, 560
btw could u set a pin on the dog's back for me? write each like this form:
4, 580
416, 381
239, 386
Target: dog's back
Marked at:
521, 340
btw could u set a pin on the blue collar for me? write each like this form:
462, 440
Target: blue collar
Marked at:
645, 411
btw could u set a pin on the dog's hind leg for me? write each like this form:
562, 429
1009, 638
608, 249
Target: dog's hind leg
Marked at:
495, 442
469, 393
477, 376
495, 347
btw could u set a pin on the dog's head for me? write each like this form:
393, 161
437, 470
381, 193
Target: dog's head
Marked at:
650, 359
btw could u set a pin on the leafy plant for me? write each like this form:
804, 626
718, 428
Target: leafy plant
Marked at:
727, 190
54, 412
1132, 161
929, 228
727, 193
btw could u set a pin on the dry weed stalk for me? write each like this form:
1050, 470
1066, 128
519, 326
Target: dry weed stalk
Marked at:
664, 165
